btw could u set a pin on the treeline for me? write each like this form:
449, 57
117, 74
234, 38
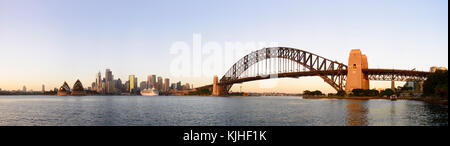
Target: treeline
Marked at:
436, 84
372, 92
313, 93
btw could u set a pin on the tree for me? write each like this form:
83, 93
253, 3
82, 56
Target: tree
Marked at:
436, 84
306, 92
317, 92
341, 93
388, 92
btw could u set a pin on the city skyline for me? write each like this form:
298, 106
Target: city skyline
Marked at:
49, 44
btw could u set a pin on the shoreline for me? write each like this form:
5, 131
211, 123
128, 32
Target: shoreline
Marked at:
426, 99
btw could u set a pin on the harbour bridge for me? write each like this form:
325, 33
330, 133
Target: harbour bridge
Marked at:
285, 62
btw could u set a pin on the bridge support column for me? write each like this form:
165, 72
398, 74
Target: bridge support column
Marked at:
217, 89
356, 79
393, 84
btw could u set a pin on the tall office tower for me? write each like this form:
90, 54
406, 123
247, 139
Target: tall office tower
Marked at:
166, 84
135, 83
143, 85
24, 89
151, 80
127, 86
187, 86
179, 85
173, 86
98, 82
118, 85
108, 81
160, 83
43, 88
132, 83
94, 86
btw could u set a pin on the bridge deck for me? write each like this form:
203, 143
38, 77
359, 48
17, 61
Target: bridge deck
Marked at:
370, 72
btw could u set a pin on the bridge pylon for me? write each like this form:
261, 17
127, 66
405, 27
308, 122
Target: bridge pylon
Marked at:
356, 78
217, 89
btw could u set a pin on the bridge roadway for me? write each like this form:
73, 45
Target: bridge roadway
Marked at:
374, 74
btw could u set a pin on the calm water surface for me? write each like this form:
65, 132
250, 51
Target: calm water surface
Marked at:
221, 111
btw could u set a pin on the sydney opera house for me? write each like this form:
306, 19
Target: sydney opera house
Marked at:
77, 89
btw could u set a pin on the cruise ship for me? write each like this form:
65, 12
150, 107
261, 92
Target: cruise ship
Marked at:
150, 92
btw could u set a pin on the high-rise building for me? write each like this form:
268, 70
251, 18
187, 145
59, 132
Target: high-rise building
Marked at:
43, 88
143, 85
160, 84
127, 85
24, 89
118, 85
151, 80
94, 86
108, 81
133, 83
98, 82
166, 84
173, 86
179, 87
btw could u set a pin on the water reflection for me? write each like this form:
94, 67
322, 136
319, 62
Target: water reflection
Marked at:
356, 113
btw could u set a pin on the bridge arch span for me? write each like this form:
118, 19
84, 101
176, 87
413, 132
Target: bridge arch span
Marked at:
332, 72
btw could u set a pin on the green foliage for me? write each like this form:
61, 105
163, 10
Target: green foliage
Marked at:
388, 92
364, 92
313, 93
406, 88
436, 84
341, 93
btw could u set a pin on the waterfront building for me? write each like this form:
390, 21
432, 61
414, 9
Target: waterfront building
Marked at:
93, 85
64, 90
127, 86
108, 81
78, 89
98, 82
24, 89
133, 83
118, 85
166, 84
151, 81
159, 83
173, 86
43, 88
143, 85
179, 87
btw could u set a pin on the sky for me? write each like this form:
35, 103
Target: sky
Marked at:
52, 41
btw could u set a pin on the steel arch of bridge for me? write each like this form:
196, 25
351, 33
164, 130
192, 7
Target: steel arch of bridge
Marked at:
332, 72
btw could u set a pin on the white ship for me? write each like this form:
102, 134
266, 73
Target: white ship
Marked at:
150, 92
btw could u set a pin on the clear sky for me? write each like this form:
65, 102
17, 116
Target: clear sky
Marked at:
51, 41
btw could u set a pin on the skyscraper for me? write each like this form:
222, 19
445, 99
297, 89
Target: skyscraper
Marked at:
43, 88
160, 83
143, 85
24, 89
98, 82
151, 80
133, 83
108, 80
166, 84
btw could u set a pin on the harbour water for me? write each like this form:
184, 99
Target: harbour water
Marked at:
214, 111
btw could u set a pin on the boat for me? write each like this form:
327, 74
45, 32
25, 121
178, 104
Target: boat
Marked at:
150, 92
